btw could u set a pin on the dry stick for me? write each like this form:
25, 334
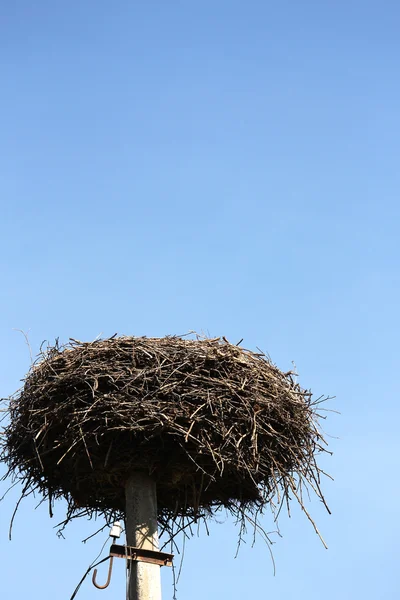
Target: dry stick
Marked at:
293, 488
144, 579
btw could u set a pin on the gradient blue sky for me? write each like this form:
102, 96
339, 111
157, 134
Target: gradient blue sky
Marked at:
230, 167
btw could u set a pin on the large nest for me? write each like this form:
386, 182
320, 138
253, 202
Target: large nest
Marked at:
215, 425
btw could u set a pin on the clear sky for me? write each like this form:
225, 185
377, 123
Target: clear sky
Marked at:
228, 167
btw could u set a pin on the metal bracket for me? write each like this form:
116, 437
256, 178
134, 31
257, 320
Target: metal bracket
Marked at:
141, 554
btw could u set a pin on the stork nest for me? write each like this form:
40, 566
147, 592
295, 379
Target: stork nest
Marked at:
214, 424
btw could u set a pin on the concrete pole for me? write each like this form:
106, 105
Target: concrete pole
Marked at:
144, 579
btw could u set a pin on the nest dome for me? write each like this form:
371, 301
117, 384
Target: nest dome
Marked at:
214, 424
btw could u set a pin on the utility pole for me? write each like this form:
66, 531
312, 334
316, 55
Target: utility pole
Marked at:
144, 578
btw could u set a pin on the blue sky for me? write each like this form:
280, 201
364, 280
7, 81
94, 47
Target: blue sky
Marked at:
228, 167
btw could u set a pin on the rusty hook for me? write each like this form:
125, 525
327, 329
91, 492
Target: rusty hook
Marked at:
103, 587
